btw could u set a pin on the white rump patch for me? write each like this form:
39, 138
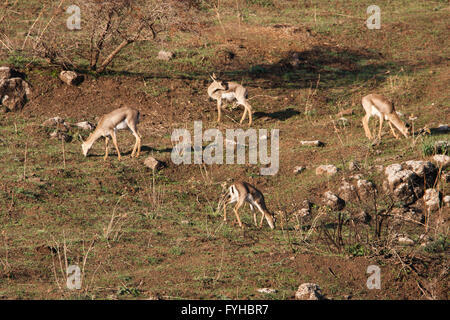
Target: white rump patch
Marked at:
121, 125
230, 96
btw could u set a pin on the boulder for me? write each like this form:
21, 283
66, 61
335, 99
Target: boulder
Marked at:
299, 169
71, 77
366, 189
328, 169
153, 163
442, 160
14, 93
446, 201
432, 199
53, 122
404, 240
333, 201
5, 73
165, 55
85, 125
308, 291
347, 191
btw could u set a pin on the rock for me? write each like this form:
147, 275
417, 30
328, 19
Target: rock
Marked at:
356, 177
5, 73
53, 122
71, 77
165, 55
153, 164
442, 160
14, 93
266, 290
443, 128
347, 191
333, 201
328, 169
303, 213
432, 199
424, 169
342, 122
379, 168
312, 143
406, 181
60, 135
308, 291
299, 169
404, 240
85, 125
353, 165
366, 189
446, 201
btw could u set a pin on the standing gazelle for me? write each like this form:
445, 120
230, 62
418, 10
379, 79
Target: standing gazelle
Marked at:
242, 192
380, 106
230, 91
107, 126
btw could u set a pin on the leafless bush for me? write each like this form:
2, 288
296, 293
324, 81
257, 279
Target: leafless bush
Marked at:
107, 27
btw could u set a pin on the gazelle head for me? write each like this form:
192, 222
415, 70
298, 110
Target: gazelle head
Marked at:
84, 146
217, 84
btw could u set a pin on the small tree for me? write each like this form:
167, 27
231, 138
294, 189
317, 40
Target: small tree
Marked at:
107, 28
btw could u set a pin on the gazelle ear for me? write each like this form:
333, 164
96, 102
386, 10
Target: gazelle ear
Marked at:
213, 77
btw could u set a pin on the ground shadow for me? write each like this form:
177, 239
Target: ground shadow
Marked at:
281, 115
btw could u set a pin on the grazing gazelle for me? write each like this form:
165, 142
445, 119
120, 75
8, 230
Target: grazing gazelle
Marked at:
380, 106
107, 126
230, 91
242, 192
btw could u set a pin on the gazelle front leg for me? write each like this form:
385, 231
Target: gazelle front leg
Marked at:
365, 122
236, 208
219, 109
381, 127
393, 131
106, 148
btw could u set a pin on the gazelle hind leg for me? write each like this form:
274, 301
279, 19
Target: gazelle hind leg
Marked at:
219, 110
137, 144
365, 122
114, 139
236, 208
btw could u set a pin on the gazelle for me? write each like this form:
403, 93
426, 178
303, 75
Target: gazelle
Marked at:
380, 106
107, 126
230, 91
242, 192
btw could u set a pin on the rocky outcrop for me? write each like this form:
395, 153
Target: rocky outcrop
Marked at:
14, 91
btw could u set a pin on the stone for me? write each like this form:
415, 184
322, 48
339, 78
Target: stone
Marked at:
379, 168
85, 125
299, 169
445, 176
361, 217
312, 143
442, 160
432, 199
165, 55
328, 169
424, 169
60, 135
5, 73
441, 146
71, 77
404, 240
53, 122
308, 291
333, 201
153, 163
347, 191
342, 122
366, 189
266, 290
302, 213
14, 93
446, 201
